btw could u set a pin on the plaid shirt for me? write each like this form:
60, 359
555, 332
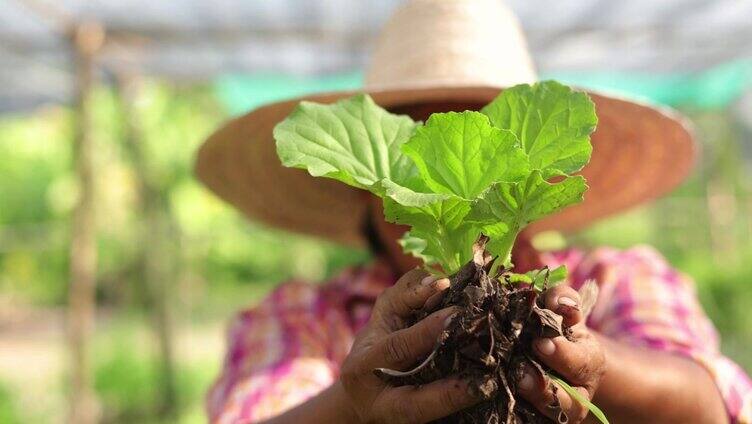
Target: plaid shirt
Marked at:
289, 347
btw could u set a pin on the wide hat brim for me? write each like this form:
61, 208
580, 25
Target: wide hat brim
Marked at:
640, 152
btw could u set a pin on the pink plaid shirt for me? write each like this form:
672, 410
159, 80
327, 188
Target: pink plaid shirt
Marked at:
289, 347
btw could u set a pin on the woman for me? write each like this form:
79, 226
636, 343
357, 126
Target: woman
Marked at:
647, 353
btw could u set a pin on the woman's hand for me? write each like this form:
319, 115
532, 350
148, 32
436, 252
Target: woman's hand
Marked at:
642, 388
386, 343
581, 361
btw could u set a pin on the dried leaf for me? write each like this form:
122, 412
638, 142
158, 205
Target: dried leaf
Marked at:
551, 322
588, 296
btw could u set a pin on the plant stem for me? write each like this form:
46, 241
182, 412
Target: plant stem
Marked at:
448, 260
506, 244
503, 247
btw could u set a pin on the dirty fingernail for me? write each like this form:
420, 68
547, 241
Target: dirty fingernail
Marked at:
567, 301
428, 280
545, 346
442, 283
527, 382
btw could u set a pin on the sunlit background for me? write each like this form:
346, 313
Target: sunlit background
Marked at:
144, 82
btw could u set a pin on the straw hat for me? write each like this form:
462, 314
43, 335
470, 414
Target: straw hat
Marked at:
435, 56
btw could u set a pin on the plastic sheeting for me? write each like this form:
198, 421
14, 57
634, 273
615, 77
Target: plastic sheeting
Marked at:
192, 40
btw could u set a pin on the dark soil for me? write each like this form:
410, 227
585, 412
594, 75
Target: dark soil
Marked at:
488, 342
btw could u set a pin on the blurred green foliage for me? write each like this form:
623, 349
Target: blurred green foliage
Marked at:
225, 262
124, 379
8, 413
38, 192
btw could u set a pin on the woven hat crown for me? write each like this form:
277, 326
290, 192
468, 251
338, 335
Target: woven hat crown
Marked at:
451, 43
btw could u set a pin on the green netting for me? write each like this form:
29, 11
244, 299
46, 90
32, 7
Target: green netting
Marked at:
241, 93
710, 89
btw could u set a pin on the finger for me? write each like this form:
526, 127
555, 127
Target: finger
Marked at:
409, 293
566, 302
403, 348
580, 362
434, 301
420, 404
550, 398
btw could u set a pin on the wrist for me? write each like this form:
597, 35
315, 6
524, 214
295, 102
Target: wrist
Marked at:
642, 385
345, 411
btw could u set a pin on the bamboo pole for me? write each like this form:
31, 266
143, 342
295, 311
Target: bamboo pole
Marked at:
157, 261
86, 41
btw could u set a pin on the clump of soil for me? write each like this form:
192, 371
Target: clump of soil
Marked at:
489, 342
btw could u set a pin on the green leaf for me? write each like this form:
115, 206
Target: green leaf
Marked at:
416, 246
557, 275
521, 203
540, 278
506, 208
440, 225
552, 122
579, 398
457, 175
450, 212
520, 278
463, 154
543, 198
414, 195
452, 248
353, 140
502, 236
545, 278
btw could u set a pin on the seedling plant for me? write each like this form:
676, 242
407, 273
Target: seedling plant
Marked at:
466, 183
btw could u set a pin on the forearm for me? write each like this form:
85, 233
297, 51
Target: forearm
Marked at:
329, 406
642, 385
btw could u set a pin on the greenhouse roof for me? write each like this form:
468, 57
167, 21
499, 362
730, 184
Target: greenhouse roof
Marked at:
196, 41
